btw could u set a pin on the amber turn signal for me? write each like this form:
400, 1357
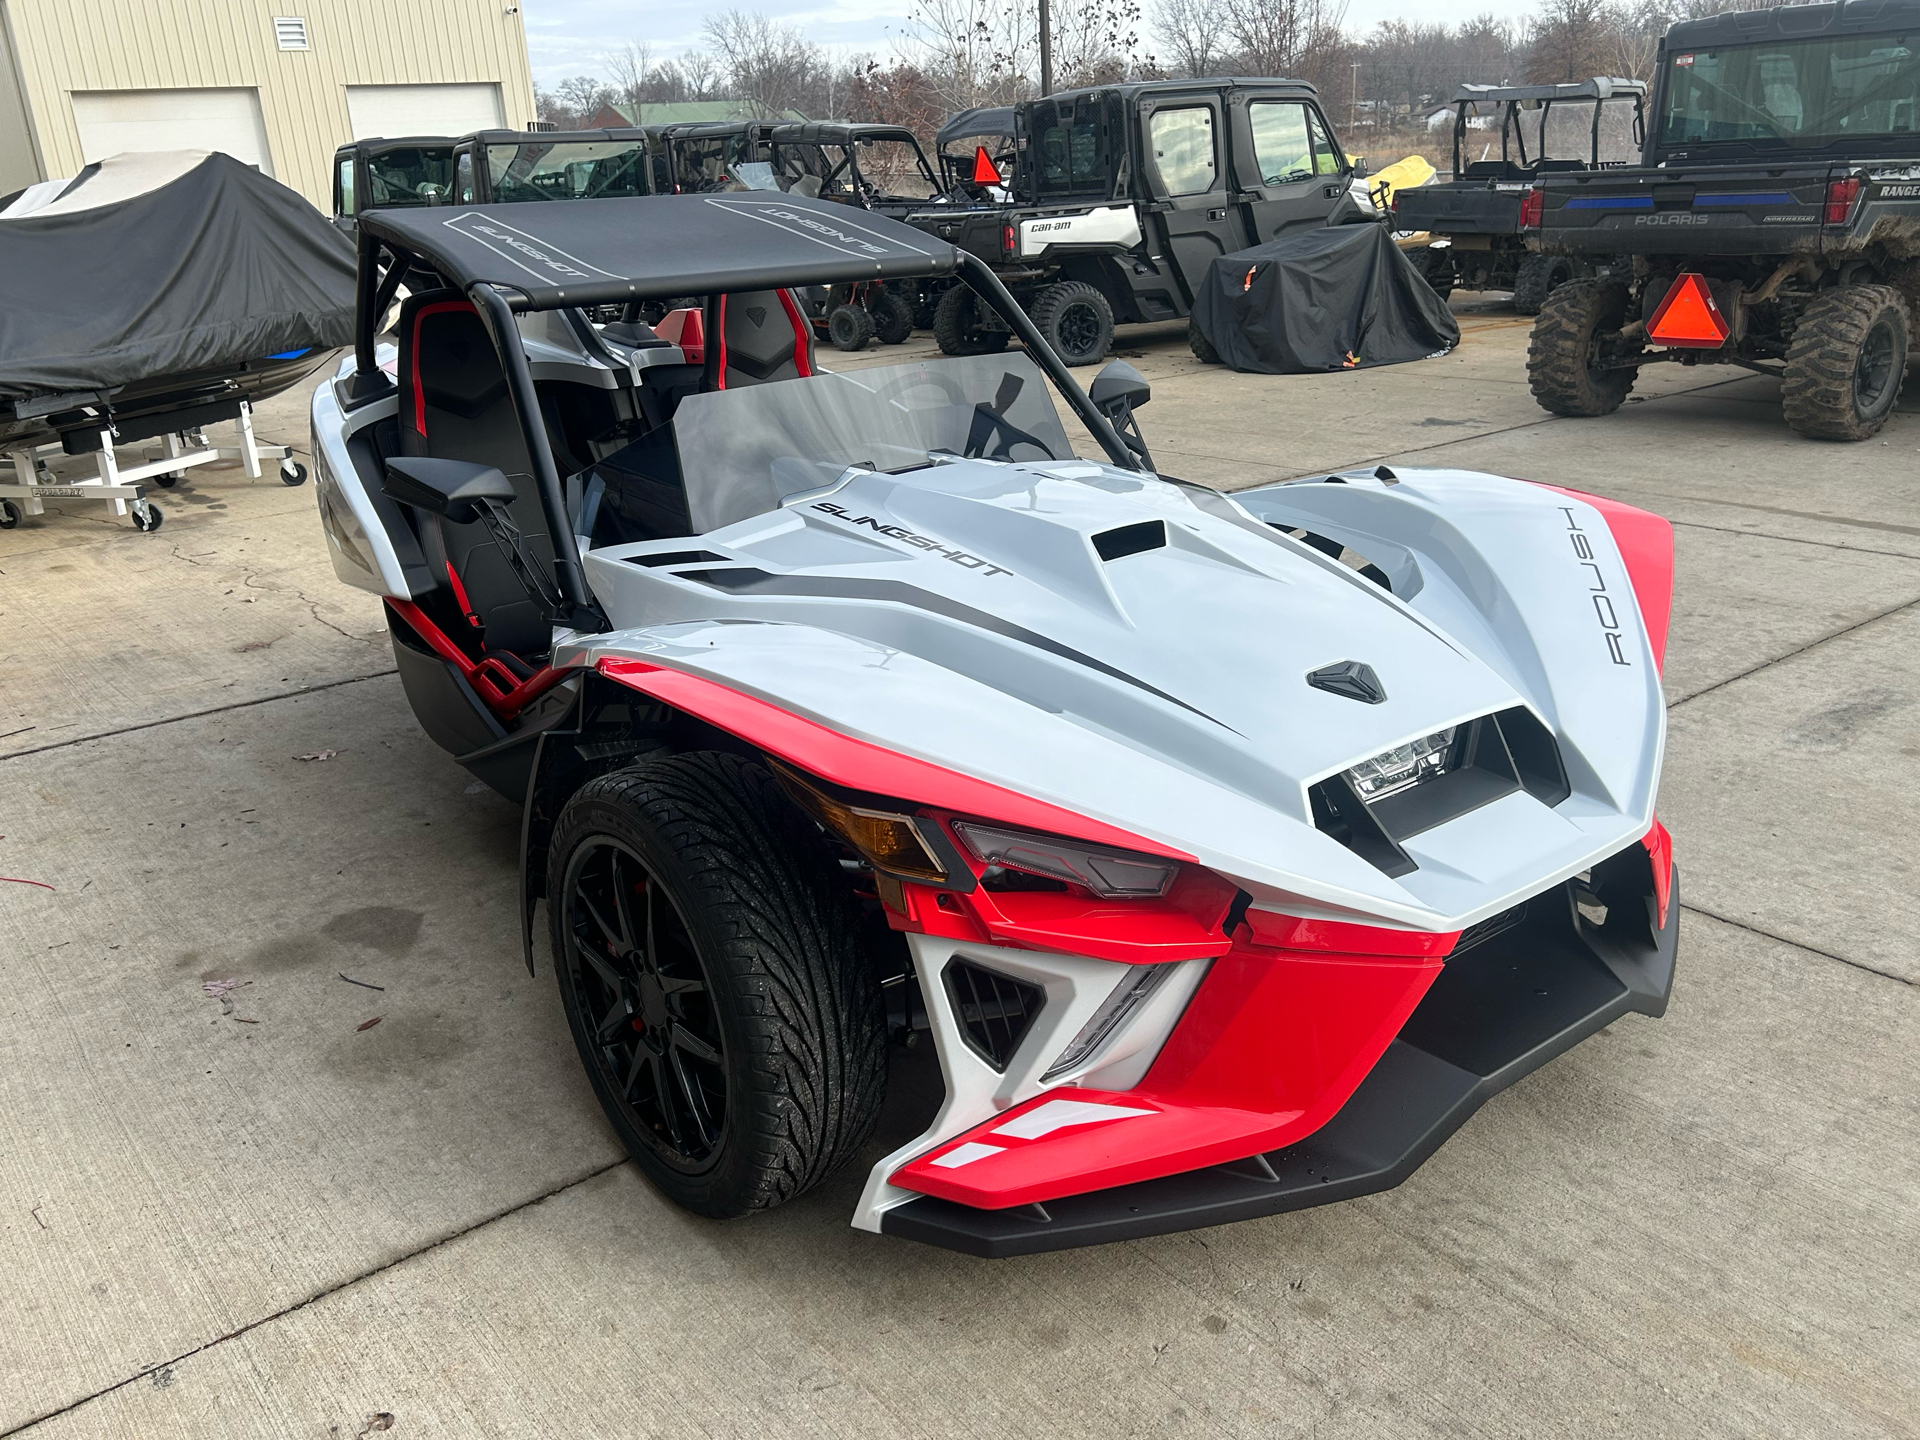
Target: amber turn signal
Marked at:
888, 841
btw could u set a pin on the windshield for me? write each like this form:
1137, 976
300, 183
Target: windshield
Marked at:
1567, 131
1791, 92
418, 176
741, 452
573, 170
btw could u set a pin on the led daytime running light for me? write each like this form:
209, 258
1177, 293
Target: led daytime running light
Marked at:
1110, 874
886, 840
1404, 766
1133, 991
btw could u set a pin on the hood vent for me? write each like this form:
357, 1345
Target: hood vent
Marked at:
1128, 540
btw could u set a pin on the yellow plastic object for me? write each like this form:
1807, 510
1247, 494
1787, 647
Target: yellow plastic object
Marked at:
1407, 174
887, 841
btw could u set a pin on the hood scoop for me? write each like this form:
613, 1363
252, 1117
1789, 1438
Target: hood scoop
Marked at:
1125, 540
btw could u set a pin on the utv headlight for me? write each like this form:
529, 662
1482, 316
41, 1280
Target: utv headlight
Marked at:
1404, 766
1110, 874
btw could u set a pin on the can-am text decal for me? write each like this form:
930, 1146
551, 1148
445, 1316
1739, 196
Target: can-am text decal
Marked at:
919, 542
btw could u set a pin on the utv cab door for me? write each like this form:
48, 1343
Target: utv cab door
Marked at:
1191, 206
1292, 172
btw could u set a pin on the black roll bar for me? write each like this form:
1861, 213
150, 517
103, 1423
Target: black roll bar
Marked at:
980, 276
582, 611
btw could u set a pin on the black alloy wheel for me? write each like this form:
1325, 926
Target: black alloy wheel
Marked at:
1076, 320
656, 1041
713, 968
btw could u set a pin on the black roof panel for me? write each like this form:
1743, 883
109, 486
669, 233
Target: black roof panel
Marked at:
594, 252
1794, 22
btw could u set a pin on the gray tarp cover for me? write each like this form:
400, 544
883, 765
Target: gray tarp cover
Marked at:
221, 266
1337, 298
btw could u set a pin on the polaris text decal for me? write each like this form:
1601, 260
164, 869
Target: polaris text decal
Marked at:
1602, 600
919, 542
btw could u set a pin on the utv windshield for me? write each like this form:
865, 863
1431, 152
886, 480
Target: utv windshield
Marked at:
741, 452
419, 176
573, 170
1796, 93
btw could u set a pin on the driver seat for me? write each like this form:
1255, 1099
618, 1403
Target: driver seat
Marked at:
454, 405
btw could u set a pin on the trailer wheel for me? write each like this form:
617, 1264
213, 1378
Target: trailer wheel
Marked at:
892, 317
1202, 347
146, 516
1077, 321
1537, 278
850, 327
9, 515
1435, 266
710, 961
957, 325
1846, 363
292, 472
1578, 326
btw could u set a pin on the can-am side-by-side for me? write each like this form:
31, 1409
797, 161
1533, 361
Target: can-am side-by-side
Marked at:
1231, 851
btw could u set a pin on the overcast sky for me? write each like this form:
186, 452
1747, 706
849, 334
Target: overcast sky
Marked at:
571, 37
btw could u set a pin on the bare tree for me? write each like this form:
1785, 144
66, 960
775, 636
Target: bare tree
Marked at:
1300, 38
1192, 34
771, 67
632, 69
1572, 39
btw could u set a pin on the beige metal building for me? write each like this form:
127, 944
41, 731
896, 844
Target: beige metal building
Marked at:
276, 83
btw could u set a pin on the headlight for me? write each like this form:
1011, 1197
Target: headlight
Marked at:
1110, 874
1404, 766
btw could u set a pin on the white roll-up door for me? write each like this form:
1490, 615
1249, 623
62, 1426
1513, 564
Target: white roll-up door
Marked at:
396, 110
114, 121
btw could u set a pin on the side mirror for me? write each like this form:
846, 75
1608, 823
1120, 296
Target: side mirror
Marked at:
456, 489
1360, 169
1119, 383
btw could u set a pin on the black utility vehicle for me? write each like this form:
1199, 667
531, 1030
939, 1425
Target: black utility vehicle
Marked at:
1474, 218
878, 168
497, 167
707, 156
415, 170
1123, 195
988, 130
1775, 224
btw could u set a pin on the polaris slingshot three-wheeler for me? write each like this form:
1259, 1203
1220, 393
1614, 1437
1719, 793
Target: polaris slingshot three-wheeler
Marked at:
1231, 850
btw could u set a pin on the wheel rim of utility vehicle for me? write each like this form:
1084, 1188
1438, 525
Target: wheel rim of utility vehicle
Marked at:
1078, 329
645, 998
1873, 372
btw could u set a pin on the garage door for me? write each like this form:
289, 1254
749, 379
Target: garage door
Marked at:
394, 110
112, 121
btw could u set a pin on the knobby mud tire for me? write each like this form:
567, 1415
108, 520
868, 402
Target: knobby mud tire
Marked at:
1560, 352
1826, 391
1537, 278
956, 325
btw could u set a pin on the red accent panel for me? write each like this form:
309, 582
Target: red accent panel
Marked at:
687, 329
1646, 546
1295, 932
1688, 318
505, 693
720, 342
413, 357
802, 335
859, 765
1660, 852
1270, 1048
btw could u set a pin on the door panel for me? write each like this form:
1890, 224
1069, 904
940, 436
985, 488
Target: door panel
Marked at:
1186, 165
1291, 170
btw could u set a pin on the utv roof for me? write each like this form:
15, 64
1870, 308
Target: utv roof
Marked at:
840, 132
380, 144
1599, 88
556, 137
596, 252
982, 120
1134, 89
1795, 22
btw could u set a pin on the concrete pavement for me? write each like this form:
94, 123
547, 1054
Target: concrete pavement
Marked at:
242, 1214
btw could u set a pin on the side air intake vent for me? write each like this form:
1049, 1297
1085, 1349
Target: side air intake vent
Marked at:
994, 1010
1373, 806
1131, 539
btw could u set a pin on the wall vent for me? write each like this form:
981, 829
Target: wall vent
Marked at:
290, 32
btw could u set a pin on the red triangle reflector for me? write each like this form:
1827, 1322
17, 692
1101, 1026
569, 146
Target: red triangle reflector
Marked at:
1688, 317
985, 172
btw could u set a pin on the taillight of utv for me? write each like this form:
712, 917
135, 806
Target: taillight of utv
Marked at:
1009, 241
1533, 209
1840, 197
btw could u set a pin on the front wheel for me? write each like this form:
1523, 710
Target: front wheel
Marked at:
1575, 337
892, 317
1076, 321
1846, 363
1537, 278
711, 968
960, 326
850, 327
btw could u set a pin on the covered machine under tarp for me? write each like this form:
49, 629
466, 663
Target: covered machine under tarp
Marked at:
1337, 298
200, 268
